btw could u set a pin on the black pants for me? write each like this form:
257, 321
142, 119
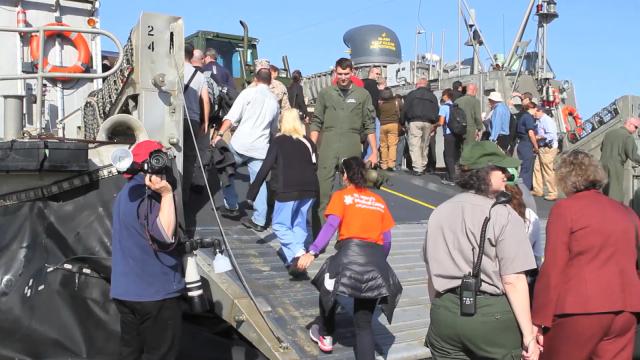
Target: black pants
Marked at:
362, 314
191, 172
149, 329
451, 154
431, 156
503, 142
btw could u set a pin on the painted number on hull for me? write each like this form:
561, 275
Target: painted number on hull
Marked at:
151, 45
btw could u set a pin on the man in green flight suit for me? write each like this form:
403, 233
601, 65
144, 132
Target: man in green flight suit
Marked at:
470, 104
343, 112
618, 146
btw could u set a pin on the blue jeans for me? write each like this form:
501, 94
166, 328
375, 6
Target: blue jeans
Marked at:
290, 226
367, 149
528, 158
231, 196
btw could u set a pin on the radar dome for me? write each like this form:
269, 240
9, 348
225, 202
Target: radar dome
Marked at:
373, 44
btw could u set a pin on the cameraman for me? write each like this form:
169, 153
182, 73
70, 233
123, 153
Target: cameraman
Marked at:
146, 282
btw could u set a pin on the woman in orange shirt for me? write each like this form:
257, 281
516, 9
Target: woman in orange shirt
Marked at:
359, 268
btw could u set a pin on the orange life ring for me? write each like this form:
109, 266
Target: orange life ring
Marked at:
567, 111
79, 42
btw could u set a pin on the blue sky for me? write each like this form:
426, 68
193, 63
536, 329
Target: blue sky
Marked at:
594, 43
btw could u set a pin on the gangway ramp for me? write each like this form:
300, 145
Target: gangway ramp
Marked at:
291, 305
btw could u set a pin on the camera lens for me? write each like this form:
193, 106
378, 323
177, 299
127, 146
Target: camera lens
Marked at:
158, 161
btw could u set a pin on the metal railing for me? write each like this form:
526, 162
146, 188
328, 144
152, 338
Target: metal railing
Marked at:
41, 75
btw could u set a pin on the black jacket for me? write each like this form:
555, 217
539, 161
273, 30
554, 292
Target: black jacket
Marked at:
372, 87
220, 158
296, 98
293, 173
360, 270
420, 105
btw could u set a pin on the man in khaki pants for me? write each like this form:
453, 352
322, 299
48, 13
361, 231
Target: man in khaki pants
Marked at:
543, 173
421, 113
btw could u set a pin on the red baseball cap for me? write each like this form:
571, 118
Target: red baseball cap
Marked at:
141, 151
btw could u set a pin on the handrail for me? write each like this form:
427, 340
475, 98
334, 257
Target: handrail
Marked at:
41, 75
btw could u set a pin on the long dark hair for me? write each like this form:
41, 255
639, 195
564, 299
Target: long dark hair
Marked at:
355, 169
476, 180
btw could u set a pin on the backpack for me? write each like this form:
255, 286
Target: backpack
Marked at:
224, 101
457, 121
424, 105
214, 90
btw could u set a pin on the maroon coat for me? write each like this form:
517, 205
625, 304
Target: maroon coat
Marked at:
590, 259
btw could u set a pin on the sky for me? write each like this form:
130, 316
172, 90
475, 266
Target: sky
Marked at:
593, 43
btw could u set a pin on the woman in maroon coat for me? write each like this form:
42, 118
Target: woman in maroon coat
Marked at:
588, 288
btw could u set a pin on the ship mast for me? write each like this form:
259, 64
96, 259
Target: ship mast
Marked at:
546, 13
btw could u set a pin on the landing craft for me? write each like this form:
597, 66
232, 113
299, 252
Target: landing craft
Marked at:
59, 131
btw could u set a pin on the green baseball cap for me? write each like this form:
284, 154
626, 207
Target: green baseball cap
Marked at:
485, 153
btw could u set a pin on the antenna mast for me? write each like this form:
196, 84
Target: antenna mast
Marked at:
546, 13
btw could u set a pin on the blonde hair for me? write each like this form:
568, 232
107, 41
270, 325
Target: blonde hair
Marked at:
578, 171
291, 125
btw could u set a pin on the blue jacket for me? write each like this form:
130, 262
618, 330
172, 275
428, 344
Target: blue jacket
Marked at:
139, 273
500, 121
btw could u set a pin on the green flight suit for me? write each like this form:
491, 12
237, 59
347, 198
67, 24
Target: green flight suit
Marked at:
340, 120
471, 107
618, 146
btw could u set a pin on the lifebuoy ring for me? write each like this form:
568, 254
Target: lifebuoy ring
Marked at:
79, 42
567, 111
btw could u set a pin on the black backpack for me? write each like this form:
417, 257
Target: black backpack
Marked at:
457, 122
224, 101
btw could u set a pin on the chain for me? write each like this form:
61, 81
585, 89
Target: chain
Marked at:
99, 103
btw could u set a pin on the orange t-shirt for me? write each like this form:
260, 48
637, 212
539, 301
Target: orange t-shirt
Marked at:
364, 215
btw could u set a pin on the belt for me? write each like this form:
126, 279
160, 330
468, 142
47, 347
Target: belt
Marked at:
456, 291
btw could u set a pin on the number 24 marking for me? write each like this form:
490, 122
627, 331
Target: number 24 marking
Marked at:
150, 33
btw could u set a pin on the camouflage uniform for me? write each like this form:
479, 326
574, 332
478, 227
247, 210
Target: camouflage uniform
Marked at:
280, 91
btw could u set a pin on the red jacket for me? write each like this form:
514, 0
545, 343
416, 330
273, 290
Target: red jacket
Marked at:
354, 80
590, 259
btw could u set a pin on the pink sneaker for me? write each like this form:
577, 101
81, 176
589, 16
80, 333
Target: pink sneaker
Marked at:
325, 343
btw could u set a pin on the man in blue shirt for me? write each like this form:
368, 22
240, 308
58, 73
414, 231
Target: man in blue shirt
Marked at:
500, 118
219, 73
543, 173
146, 282
452, 141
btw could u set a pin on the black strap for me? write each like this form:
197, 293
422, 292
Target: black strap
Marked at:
186, 85
483, 238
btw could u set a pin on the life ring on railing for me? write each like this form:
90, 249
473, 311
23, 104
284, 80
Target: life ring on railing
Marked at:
79, 42
567, 111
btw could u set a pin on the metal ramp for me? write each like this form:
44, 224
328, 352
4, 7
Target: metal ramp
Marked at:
291, 305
